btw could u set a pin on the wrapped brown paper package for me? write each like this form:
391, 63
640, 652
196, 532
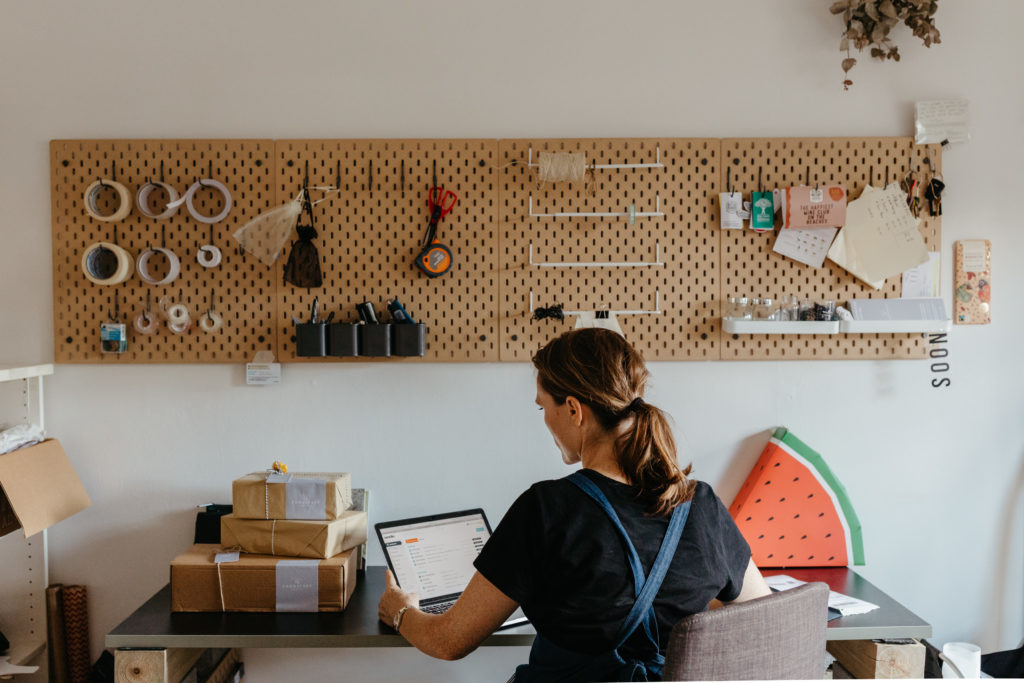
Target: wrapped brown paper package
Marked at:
253, 498
294, 537
249, 585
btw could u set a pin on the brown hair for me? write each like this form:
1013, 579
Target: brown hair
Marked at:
605, 373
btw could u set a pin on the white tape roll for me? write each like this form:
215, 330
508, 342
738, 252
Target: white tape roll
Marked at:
92, 194
144, 327
178, 315
142, 200
172, 259
179, 328
208, 256
210, 322
98, 264
190, 194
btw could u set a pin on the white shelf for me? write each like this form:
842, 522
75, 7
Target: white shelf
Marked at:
23, 654
895, 326
13, 372
780, 326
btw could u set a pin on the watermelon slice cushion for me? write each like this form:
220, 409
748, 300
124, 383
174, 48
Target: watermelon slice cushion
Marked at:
794, 512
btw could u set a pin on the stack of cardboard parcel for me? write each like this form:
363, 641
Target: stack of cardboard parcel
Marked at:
291, 544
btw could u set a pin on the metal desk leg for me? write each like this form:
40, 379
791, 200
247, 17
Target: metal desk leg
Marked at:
153, 665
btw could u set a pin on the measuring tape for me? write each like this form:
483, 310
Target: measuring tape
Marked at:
435, 258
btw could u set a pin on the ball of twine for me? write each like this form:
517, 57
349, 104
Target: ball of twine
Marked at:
554, 167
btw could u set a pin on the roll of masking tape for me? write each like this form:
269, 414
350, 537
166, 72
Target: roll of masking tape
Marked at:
179, 328
142, 200
208, 256
178, 315
107, 264
190, 194
210, 322
174, 266
92, 195
145, 323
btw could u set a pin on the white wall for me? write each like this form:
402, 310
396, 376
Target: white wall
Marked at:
936, 474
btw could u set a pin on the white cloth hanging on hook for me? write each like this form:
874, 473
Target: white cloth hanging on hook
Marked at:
590, 319
264, 236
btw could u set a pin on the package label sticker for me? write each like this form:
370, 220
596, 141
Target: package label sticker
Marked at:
297, 586
221, 558
278, 478
260, 374
305, 499
975, 253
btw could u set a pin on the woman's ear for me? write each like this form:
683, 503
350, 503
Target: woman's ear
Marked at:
575, 409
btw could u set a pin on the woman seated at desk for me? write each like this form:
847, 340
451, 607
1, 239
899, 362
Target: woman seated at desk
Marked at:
575, 552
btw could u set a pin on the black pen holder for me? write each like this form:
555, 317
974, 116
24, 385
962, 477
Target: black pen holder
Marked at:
409, 340
310, 340
342, 339
375, 339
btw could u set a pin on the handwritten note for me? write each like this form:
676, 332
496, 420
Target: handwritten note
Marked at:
942, 120
880, 238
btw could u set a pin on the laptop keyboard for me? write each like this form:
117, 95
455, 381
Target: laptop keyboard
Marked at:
439, 608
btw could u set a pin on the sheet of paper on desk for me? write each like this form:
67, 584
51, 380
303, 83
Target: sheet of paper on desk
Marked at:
843, 604
805, 245
922, 281
881, 235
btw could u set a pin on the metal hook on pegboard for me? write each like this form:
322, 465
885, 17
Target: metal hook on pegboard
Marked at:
145, 311
369, 180
403, 178
337, 176
117, 309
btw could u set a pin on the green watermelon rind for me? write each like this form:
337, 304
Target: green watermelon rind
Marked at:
785, 437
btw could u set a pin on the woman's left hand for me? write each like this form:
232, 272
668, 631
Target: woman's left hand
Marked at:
394, 599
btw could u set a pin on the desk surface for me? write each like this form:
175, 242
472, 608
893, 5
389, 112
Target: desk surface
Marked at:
154, 625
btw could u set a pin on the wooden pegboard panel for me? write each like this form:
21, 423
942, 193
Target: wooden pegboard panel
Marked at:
370, 233
687, 237
241, 287
750, 267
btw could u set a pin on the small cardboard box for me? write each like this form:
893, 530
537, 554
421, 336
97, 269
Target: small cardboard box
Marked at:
294, 537
38, 488
250, 584
902, 658
299, 495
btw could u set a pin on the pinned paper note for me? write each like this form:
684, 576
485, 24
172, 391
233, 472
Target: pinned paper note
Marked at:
942, 121
806, 246
922, 281
880, 238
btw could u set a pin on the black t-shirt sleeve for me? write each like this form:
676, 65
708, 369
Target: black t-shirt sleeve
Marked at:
510, 558
734, 553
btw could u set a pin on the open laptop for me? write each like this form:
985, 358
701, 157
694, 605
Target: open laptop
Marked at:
433, 556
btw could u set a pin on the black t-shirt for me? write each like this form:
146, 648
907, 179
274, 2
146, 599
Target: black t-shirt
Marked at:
560, 557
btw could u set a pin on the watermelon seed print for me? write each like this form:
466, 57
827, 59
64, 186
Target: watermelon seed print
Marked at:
825, 525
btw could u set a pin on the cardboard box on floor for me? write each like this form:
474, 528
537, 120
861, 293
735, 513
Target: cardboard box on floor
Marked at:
250, 583
900, 658
39, 488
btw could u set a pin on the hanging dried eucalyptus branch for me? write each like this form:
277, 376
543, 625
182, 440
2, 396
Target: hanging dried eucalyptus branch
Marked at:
868, 23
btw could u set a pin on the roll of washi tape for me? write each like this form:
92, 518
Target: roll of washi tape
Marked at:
142, 200
92, 196
190, 194
178, 314
145, 323
107, 264
174, 266
208, 256
210, 322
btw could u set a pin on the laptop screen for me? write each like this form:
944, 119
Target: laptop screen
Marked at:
434, 556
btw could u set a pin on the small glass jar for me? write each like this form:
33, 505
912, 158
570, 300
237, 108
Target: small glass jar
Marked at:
765, 309
825, 311
806, 310
738, 308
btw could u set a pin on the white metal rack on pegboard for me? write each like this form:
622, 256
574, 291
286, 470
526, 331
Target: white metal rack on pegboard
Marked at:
24, 571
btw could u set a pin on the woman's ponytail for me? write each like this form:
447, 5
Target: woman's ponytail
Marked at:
647, 456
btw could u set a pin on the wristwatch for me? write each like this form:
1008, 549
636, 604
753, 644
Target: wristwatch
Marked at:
398, 617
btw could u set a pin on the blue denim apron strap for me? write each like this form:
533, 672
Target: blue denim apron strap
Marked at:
549, 662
